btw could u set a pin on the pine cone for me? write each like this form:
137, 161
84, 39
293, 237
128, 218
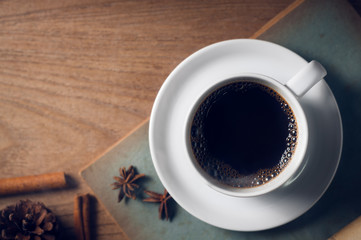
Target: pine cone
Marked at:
27, 221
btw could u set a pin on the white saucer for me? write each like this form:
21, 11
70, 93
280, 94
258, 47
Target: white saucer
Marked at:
187, 82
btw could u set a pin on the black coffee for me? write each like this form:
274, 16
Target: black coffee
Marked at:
243, 134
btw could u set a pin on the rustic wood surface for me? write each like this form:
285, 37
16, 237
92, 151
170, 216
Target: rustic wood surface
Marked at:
76, 76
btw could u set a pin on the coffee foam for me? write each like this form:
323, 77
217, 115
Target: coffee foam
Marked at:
223, 172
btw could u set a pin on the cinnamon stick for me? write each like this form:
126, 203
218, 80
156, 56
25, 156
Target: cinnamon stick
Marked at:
86, 216
82, 217
32, 183
78, 218
351, 232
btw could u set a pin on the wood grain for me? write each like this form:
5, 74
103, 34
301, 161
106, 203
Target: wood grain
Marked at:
76, 76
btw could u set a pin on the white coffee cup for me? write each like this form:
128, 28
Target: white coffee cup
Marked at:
292, 91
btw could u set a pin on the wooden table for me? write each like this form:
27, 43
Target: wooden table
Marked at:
76, 76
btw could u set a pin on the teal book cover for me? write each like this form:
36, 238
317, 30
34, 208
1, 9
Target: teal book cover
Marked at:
327, 31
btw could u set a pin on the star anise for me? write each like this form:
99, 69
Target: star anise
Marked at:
126, 183
162, 199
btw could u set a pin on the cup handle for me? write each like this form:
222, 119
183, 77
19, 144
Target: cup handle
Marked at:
306, 78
